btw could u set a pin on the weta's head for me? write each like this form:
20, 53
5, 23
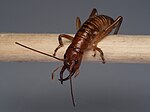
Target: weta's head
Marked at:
72, 61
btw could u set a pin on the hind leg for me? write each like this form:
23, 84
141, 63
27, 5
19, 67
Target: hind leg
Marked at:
101, 35
115, 25
61, 42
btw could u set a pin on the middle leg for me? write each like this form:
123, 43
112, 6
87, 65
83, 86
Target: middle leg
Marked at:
95, 48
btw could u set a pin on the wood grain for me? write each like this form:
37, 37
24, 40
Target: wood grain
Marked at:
116, 48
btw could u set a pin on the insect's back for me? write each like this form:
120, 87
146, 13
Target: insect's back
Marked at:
97, 23
88, 31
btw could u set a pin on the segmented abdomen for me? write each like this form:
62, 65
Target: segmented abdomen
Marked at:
86, 33
92, 25
98, 23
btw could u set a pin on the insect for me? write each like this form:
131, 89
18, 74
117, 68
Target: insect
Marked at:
88, 35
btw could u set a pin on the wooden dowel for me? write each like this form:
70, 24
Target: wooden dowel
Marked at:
116, 48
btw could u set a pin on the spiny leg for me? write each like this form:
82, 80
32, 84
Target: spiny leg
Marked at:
116, 24
78, 23
93, 13
95, 48
119, 21
61, 42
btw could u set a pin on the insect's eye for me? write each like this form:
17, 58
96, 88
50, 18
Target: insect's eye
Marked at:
76, 61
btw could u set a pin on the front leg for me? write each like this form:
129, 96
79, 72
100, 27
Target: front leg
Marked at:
61, 42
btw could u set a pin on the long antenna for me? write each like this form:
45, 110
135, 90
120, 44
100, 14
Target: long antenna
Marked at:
38, 51
72, 95
71, 87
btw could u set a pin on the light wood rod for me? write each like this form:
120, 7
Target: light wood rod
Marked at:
116, 48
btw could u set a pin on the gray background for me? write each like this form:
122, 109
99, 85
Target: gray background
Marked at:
26, 87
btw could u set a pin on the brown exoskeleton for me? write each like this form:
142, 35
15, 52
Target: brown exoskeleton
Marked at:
88, 35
